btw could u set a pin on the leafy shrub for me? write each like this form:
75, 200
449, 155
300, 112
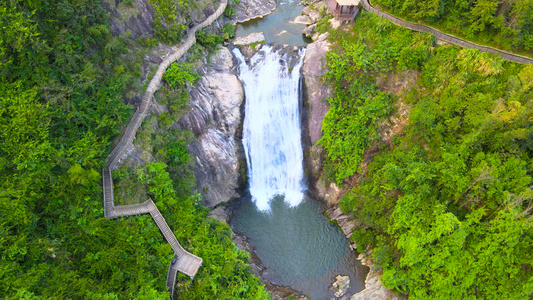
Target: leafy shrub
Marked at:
229, 12
178, 74
229, 31
209, 40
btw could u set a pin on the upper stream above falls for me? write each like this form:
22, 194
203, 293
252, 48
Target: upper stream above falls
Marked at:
278, 27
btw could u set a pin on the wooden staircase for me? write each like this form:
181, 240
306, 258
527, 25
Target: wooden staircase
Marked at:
183, 261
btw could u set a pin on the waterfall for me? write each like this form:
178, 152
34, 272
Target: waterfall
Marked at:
271, 133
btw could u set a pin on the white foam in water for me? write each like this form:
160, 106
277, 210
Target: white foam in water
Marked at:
271, 134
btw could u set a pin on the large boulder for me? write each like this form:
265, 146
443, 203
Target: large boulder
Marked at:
309, 31
313, 14
303, 20
252, 38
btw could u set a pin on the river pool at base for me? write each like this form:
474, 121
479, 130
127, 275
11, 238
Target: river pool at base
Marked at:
299, 246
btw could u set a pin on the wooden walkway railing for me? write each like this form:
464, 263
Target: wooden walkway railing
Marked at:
444, 36
183, 261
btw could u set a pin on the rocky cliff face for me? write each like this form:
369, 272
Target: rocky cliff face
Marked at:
215, 117
317, 107
136, 18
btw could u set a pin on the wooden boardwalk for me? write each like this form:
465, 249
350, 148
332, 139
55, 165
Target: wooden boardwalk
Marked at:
183, 261
444, 36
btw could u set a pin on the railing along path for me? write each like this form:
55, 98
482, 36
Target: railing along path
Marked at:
183, 261
444, 36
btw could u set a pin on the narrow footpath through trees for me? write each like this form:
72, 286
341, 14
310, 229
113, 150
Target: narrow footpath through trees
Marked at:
444, 36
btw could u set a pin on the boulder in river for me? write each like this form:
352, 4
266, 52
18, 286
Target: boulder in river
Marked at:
252, 38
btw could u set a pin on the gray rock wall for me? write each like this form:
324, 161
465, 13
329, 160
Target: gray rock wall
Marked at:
138, 17
317, 108
215, 118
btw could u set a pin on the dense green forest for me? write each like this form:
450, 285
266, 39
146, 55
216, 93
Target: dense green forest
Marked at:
62, 80
446, 203
506, 24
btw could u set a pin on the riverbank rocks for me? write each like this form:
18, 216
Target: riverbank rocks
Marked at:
340, 286
344, 220
303, 20
220, 213
251, 9
214, 118
309, 31
310, 16
313, 14
374, 288
252, 38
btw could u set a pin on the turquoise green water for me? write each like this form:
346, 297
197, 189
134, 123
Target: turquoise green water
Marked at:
299, 246
277, 26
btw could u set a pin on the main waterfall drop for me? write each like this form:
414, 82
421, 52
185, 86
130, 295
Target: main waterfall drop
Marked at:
271, 134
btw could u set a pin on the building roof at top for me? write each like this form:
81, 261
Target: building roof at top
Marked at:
348, 2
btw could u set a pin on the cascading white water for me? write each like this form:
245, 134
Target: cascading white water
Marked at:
271, 134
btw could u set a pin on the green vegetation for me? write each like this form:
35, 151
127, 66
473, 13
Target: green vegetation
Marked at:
229, 31
178, 74
359, 107
208, 40
169, 26
445, 205
506, 24
62, 80
231, 9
